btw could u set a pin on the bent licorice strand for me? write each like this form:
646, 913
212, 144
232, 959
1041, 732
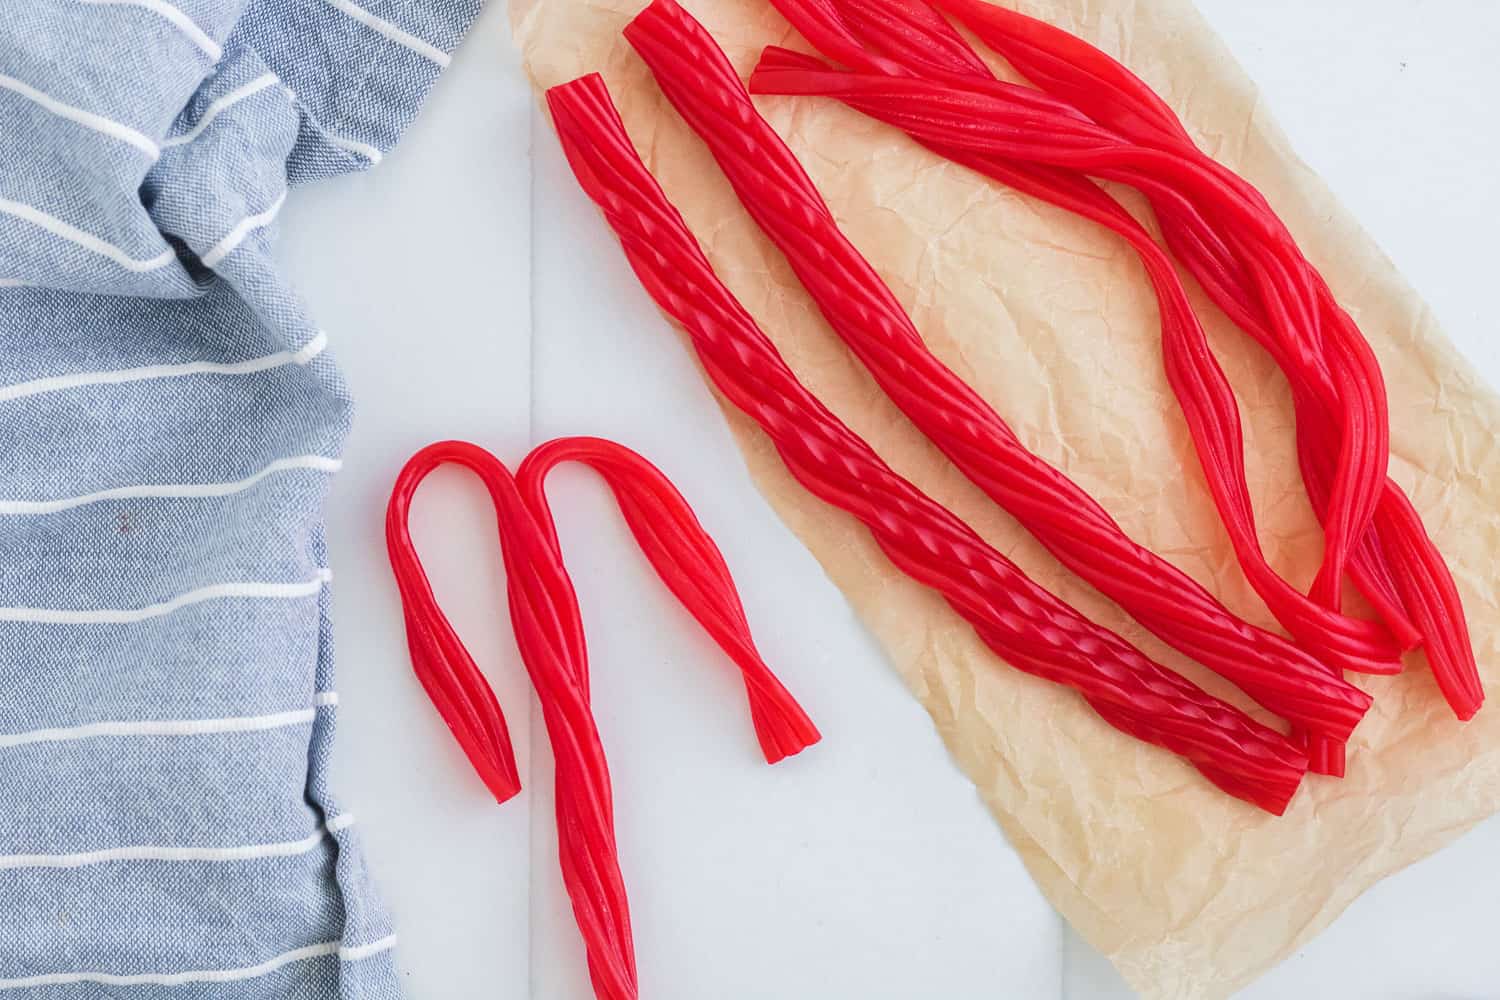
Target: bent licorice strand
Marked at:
439, 658
1203, 391
1268, 289
549, 632
688, 562
701, 84
1026, 625
1213, 418
963, 126
1109, 93
907, 37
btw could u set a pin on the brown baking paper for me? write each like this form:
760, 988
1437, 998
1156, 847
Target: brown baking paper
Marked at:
1189, 892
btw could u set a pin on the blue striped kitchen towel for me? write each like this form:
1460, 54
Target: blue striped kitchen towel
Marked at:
170, 420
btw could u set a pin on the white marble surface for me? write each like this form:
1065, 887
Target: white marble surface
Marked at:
470, 292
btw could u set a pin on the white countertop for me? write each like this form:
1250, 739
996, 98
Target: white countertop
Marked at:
470, 291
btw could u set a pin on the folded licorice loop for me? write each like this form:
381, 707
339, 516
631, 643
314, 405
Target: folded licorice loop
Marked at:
1203, 390
1325, 450
1395, 565
699, 81
546, 623
1024, 624
688, 562
444, 667
549, 632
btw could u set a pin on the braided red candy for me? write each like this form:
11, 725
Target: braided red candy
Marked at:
1396, 560
1255, 273
1029, 627
701, 84
549, 631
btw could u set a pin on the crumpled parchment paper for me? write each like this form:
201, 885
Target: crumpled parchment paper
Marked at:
1189, 892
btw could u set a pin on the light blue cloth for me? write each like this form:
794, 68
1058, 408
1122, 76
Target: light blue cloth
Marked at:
170, 423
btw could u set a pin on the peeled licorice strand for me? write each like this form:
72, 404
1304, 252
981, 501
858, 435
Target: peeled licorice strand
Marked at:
912, 38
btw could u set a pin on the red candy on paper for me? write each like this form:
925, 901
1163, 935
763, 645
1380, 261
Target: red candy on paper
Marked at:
1226, 234
703, 87
1029, 627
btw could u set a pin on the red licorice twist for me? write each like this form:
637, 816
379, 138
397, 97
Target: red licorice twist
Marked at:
549, 632
1255, 273
1033, 166
702, 85
1029, 627
688, 562
1396, 562
1294, 302
922, 42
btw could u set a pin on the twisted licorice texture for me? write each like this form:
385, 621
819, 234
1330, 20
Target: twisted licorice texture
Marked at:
936, 114
1213, 418
930, 46
897, 38
549, 632
1019, 620
698, 80
688, 562
1351, 464
1396, 565
442, 664
1345, 471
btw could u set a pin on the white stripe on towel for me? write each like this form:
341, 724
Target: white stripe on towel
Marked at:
184, 24
364, 149
267, 967
358, 952
129, 616
265, 362
243, 228
88, 241
100, 124
168, 727
248, 852
171, 491
421, 47
215, 107
311, 349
